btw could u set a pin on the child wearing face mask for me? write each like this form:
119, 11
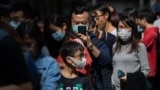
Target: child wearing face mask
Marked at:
130, 61
74, 58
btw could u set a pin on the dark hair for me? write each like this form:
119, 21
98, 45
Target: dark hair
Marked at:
103, 8
146, 14
52, 44
131, 12
80, 10
31, 29
114, 18
114, 9
134, 41
70, 48
25, 8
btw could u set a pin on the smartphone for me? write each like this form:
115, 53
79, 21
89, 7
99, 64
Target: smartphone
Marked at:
121, 73
82, 29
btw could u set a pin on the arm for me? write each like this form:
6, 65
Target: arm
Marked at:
99, 50
52, 75
142, 54
148, 39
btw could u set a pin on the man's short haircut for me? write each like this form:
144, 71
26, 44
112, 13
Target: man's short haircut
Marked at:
25, 8
147, 14
80, 10
102, 8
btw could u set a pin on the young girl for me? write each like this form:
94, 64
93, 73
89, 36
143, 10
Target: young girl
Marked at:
74, 58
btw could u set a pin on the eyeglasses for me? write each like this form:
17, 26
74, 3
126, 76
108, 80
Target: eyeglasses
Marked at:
98, 16
81, 55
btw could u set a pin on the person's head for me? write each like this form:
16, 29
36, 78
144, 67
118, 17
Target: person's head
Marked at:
40, 23
127, 33
80, 16
101, 15
31, 37
145, 17
19, 12
4, 12
55, 27
73, 55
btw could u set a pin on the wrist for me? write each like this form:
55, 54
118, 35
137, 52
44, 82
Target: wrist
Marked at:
90, 46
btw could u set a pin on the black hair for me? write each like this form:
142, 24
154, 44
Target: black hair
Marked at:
80, 10
147, 14
31, 29
70, 48
131, 12
25, 8
102, 8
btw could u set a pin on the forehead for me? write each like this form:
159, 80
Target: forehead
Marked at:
77, 52
80, 17
16, 14
53, 27
97, 12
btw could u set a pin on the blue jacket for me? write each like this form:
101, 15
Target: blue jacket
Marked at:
50, 72
102, 65
104, 57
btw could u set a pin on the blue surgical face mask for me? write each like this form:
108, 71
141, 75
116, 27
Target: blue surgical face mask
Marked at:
139, 29
58, 36
75, 27
14, 24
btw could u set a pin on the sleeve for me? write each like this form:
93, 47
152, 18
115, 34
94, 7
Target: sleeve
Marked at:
104, 56
52, 76
12, 62
148, 39
142, 54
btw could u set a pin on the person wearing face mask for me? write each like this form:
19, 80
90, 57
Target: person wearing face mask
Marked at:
57, 32
74, 58
32, 44
19, 12
130, 61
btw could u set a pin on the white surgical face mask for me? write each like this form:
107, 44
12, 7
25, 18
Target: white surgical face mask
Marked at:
80, 64
14, 24
124, 34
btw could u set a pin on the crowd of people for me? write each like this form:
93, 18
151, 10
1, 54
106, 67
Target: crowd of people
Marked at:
95, 48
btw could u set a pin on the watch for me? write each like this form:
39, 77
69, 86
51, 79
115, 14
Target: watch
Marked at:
90, 47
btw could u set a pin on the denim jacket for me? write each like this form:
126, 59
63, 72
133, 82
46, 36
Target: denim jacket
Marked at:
50, 72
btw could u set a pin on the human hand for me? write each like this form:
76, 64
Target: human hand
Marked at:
122, 75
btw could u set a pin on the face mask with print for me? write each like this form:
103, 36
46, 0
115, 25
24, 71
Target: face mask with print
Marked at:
58, 36
80, 64
77, 28
139, 29
14, 24
124, 34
